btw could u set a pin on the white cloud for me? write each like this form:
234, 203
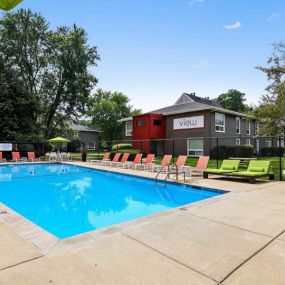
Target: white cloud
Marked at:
236, 25
271, 17
192, 2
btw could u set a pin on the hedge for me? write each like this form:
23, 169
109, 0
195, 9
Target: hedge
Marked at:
272, 151
121, 146
225, 151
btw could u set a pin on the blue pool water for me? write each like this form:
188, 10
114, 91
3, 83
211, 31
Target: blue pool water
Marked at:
69, 200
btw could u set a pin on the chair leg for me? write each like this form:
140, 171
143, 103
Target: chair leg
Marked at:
205, 175
252, 180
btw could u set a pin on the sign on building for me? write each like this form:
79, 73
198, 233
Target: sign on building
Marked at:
194, 122
5, 147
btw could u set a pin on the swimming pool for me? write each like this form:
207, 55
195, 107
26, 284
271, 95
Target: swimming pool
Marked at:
67, 200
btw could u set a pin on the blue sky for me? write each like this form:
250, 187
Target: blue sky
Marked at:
154, 50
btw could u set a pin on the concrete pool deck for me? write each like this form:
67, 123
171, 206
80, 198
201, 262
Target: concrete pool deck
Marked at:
236, 238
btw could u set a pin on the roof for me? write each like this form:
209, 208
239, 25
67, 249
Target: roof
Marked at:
81, 128
187, 103
125, 119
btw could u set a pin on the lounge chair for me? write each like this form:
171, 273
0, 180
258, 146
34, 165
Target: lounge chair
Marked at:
98, 161
16, 157
115, 159
147, 163
256, 169
228, 166
133, 164
200, 166
1, 157
164, 165
32, 156
180, 163
123, 160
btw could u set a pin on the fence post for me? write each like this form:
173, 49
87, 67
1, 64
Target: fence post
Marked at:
173, 152
217, 154
280, 160
98, 153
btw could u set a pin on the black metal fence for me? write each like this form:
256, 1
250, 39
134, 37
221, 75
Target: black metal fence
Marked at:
219, 148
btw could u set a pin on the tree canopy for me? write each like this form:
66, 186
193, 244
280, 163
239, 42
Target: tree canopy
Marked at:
18, 108
233, 100
53, 65
271, 111
106, 108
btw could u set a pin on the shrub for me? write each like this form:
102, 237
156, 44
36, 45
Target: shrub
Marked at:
272, 151
121, 146
74, 145
225, 151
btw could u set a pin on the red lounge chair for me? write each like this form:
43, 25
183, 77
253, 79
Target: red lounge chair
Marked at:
123, 160
164, 165
115, 159
16, 157
32, 156
200, 167
137, 161
1, 157
98, 161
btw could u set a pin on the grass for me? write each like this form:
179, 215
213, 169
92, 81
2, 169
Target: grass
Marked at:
191, 161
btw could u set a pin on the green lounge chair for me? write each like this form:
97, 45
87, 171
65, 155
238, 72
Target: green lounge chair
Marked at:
256, 169
228, 166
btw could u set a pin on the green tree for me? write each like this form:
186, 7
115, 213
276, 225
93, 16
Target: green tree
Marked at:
271, 111
18, 108
106, 108
54, 65
233, 100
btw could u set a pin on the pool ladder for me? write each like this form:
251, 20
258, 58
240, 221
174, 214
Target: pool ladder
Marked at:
173, 169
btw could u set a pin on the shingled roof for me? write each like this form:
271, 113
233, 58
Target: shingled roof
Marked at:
81, 128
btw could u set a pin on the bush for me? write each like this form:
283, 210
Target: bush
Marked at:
121, 146
74, 145
272, 151
225, 151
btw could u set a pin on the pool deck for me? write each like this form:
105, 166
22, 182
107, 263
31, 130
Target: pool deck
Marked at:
235, 238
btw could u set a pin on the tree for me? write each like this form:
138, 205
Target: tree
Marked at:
54, 65
233, 100
271, 111
106, 108
18, 108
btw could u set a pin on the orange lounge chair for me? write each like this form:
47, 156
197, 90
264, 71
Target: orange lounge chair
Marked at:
147, 163
200, 167
137, 161
32, 156
98, 161
16, 157
115, 159
180, 163
164, 165
1, 157
123, 160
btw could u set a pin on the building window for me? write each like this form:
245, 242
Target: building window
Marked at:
247, 127
220, 122
157, 122
237, 141
268, 143
238, 125
129, 129
257, 128
248, 142
195, 147
91, 145
257, 146
141, 123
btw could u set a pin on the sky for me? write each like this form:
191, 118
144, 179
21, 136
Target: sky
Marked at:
154, 50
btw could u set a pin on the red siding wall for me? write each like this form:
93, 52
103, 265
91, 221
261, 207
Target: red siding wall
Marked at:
143, 133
